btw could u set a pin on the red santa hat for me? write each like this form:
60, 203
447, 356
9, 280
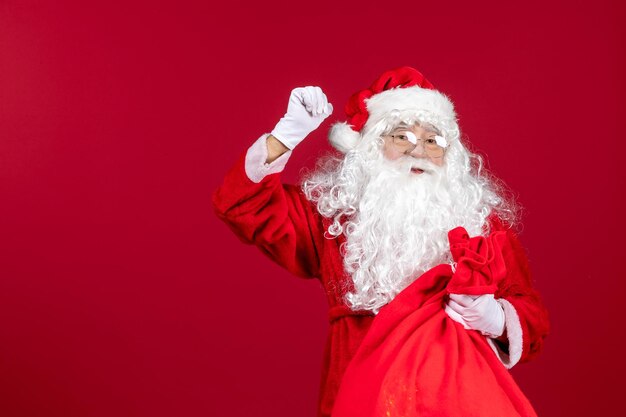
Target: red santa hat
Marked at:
398, 94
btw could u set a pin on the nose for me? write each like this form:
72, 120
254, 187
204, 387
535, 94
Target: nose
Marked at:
418, 150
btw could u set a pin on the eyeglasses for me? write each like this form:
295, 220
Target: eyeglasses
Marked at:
406, 142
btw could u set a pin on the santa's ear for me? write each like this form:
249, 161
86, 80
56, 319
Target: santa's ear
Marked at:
342, 137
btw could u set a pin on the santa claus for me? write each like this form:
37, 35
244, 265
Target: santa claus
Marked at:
428, 286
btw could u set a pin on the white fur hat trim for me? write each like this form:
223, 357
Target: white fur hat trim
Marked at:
424, 104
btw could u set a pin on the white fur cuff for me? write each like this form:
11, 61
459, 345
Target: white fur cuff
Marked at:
514, 334
256, 168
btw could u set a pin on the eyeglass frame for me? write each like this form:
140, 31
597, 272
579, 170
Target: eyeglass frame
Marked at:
421, 141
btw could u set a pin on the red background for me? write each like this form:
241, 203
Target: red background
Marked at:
122, 294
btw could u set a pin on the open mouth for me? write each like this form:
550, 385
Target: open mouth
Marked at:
416, 170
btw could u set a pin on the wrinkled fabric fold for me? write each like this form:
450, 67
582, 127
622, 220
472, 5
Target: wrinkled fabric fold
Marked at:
479, 262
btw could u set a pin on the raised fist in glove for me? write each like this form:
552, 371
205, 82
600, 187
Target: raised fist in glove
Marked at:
307, 109
477, 312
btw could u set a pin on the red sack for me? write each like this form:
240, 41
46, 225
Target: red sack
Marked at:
416, 361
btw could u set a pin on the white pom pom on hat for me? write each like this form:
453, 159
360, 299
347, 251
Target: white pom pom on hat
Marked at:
342, 137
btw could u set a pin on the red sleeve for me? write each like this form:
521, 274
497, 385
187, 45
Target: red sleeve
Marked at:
275, 217
516, 288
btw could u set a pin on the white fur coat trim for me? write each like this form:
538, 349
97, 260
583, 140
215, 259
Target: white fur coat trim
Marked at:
256, 168
514, 334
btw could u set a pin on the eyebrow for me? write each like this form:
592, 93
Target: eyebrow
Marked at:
429, 130
401, 126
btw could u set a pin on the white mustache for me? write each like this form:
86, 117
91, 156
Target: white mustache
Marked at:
406, 163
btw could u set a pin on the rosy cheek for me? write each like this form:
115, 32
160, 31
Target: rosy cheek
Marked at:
437, 161
391, 153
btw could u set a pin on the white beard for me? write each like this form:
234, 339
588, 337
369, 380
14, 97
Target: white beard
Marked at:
396, 222
400, 230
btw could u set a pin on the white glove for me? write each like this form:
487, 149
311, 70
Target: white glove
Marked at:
307, 109
477, 312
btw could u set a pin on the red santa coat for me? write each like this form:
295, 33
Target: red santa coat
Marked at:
280, 221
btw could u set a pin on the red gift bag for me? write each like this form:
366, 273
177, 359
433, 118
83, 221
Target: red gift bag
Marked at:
417, 361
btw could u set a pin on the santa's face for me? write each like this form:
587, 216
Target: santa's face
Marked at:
422, 134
